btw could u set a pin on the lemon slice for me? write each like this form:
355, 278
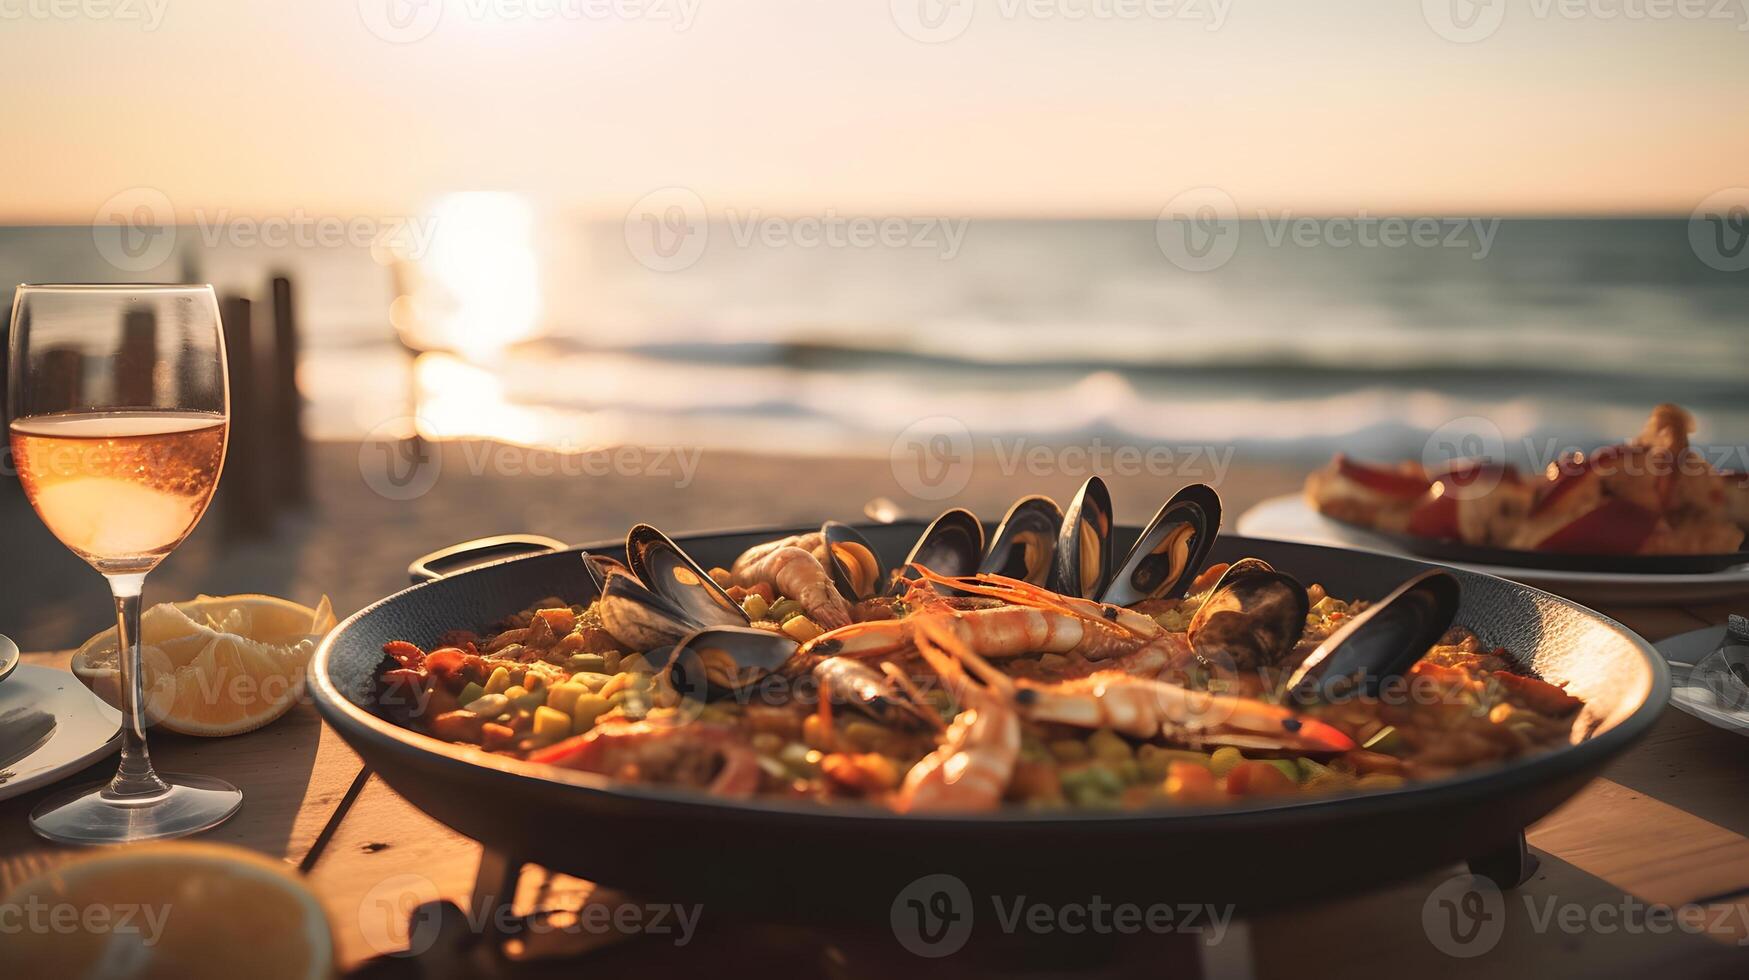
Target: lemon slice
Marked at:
170, 910
216, 665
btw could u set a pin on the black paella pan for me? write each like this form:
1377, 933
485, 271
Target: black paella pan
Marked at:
849, 862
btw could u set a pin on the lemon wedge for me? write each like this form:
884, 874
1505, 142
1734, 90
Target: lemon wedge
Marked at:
215, 665
170, 910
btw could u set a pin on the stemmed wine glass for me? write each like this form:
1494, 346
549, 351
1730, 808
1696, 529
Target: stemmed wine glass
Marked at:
119, 412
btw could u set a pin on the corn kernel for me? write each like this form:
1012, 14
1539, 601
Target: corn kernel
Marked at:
585, 710
499, 682
801, 629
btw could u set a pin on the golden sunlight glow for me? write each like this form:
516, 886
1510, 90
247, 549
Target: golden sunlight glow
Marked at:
469, 275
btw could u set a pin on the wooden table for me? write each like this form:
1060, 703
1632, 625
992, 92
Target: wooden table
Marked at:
1667, 824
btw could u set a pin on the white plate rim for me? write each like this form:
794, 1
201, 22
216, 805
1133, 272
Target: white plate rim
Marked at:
94, 752
1694, 699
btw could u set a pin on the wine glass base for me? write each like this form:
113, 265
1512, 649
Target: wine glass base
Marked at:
84, 815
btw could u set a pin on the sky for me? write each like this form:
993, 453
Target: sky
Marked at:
978, 107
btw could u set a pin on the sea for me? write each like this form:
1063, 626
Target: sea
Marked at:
776, 335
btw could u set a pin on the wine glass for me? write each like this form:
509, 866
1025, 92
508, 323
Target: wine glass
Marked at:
119, 413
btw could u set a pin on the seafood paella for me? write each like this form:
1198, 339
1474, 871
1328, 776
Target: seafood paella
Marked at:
1032, 667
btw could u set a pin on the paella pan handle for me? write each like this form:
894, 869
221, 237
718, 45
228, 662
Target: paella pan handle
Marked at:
456, 557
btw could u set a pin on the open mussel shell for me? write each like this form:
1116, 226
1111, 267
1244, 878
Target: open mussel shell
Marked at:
601, 568
1025, 543
672, 575
1083, 560
721, 661
852, 561
951, 545
636, 617
1170, 550
1381, 643
1252, 619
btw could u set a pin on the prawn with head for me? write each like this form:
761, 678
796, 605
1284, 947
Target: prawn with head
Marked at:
1024, 619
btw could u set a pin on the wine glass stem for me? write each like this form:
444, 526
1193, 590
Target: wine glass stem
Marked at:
135, 776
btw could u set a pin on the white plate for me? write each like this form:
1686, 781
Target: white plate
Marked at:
1692, 696
1290, 518
85, 729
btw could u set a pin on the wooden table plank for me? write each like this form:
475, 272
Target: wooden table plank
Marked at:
293, 774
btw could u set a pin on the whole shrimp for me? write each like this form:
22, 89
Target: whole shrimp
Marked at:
793, 571
1032, 620
971, 767
1145, 708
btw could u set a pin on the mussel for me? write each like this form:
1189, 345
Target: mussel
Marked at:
1024, 545
662, 596
1252, 619
1171, 549
852, 561
672, 574
1083, 560
1382, 642
723, 661
857, 685
951, 545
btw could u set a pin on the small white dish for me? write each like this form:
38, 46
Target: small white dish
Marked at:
50, 727
1690, 694
1290, 518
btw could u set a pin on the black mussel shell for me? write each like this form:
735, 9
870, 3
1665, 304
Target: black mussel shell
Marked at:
653, 621
951, 545
857, 685
1381, 643
1252, 619
1025, 543
671, 574
852, 561
1083, 561
720, 661
1170, 550
601, 568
